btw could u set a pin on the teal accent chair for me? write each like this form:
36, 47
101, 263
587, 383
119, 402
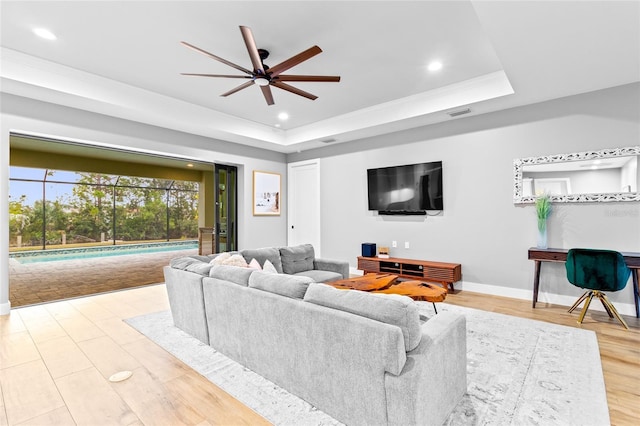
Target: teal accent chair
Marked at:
597, 271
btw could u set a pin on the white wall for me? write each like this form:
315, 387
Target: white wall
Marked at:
32, 117
480, 226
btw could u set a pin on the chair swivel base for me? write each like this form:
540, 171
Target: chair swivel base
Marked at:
608, 306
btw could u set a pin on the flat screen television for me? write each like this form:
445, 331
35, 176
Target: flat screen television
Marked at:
409, 189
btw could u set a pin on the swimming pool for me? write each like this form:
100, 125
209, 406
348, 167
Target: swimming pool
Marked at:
103, 251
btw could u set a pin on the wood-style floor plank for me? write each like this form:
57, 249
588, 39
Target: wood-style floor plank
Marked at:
62, 356
219, 408
3, 412
107, 356
28, 391
153, 403
58, 417
92, 401
17, 348
155, 359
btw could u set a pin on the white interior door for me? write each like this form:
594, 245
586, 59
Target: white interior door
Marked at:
303, 179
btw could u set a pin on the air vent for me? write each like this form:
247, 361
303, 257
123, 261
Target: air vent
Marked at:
459, 112
330, 140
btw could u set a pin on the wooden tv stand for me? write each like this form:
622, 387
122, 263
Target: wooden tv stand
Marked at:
440, 272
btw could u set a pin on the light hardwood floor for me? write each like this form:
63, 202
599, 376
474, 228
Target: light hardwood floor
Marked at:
56, 358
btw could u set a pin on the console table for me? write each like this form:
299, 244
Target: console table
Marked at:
539, 255
439, 272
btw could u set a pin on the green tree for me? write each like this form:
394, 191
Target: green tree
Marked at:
92, 202
183, 210
19, 218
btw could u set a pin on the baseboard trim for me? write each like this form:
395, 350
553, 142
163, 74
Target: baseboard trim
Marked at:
5, 308
518, 293
543, 297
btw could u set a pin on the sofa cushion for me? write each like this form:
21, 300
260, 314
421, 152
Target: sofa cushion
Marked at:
388, 308
319, 276
297, 259
284, 285
200, 268
234, 274
205, 259
262, 254
183, 262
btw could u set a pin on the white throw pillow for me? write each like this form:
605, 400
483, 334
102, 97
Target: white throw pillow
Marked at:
236, 260
268, 267
219, 259
254, 264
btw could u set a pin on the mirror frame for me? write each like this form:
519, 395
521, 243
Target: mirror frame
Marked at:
519, 163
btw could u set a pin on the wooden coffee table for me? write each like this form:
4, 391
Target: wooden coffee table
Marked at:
389, 284
367, 282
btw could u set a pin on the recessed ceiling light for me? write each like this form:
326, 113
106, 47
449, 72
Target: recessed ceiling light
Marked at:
189, 165
283, 116
44, 33
277, 125
435, 66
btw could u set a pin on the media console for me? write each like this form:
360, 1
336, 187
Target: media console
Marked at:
440, 272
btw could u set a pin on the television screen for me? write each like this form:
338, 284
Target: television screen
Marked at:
410, 188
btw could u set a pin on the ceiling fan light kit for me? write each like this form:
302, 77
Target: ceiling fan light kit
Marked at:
263, 75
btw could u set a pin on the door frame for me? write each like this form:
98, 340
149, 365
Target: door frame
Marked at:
291, 207
231, 196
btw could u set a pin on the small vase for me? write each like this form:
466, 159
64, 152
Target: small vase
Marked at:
542, 238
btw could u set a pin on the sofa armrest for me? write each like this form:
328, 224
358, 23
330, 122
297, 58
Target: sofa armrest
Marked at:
435, 374
339, 266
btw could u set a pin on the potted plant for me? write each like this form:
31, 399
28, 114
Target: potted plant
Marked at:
543, 210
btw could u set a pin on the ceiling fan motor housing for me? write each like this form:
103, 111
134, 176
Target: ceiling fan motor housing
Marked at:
261, 76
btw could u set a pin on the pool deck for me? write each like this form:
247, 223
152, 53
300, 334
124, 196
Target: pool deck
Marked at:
42, 282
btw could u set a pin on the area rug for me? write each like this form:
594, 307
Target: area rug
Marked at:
519, 372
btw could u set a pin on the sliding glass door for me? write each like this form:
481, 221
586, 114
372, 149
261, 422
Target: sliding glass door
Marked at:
226, 208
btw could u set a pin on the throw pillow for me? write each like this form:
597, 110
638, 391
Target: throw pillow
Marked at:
297, 258
235, 260
269, 268
255, 265
219, 259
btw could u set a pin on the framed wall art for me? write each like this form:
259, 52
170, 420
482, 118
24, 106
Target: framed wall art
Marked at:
266, 194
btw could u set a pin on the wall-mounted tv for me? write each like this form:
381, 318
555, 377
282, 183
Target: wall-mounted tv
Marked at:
409, 189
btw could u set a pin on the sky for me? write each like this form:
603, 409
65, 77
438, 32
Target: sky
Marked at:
33, 190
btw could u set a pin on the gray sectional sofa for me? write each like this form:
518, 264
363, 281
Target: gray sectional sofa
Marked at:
365, 359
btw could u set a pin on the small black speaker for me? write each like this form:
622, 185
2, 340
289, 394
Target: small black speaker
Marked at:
369, 249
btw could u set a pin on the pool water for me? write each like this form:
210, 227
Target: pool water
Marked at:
92, 252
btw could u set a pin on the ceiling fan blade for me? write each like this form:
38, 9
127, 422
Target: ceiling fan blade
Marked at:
239, 88
292, 89
294, 60
217, 58
327, 78
249, 41
215, 75
268, 96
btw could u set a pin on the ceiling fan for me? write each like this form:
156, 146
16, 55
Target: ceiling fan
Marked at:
263, 75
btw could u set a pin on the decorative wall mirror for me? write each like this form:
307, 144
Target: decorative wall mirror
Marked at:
592, 176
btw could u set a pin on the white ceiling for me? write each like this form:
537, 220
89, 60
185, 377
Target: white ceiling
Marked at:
125, 58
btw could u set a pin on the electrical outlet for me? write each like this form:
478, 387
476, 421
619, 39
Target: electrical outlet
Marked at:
394, 244
406, 244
